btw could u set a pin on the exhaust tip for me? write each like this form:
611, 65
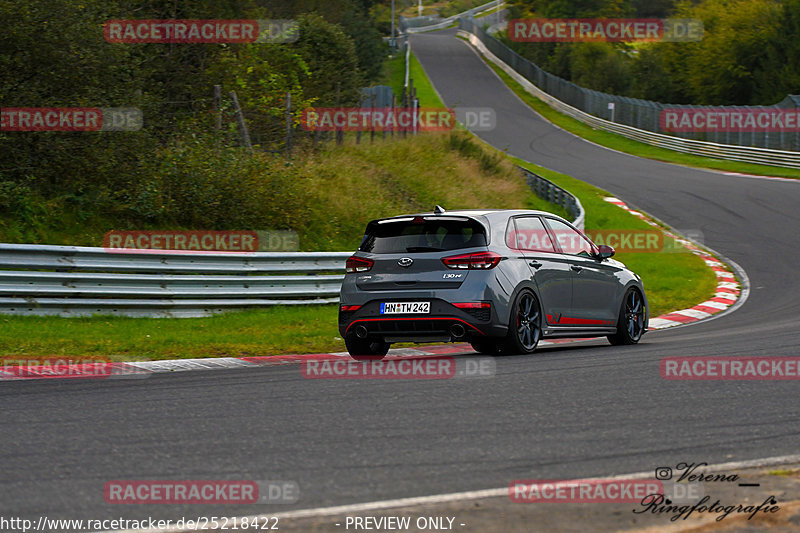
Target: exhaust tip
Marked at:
361, 331
457, 331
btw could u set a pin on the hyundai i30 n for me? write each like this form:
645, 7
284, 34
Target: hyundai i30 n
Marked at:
501, 280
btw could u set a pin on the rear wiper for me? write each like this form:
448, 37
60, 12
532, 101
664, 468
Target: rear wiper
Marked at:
413, 249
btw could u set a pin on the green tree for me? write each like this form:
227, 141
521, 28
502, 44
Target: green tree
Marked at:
574, 8
722, 67
332, 62
356, 18
601, 67
650, 79
53, 54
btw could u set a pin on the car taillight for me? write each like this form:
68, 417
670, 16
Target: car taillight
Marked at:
477, 261
349, 307
473, 305
358, 264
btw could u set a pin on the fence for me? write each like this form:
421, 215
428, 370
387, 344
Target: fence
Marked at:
634, 117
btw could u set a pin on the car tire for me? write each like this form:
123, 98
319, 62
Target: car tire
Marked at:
630, 323
365, 349
525, 325
486, 346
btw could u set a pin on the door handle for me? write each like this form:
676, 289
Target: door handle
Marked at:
535, 264
576, 268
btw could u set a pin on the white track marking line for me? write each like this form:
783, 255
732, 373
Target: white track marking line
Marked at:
694, 313
661, 323
715, 305
468, 495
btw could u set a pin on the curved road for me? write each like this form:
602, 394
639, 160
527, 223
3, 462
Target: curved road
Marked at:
752, 221
566, 412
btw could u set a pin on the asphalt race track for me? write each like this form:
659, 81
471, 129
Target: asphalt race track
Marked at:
566, 412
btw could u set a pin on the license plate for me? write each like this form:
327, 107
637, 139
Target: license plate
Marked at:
405, 308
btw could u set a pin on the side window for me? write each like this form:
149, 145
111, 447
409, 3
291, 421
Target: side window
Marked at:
528, 233
570, 240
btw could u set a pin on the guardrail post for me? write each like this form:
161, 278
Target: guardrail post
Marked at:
240, 120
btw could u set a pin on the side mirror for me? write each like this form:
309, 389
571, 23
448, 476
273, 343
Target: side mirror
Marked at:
604, 252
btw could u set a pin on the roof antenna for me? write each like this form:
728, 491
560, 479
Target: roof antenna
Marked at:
438, 210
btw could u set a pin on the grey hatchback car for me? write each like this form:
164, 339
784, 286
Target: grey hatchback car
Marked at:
498, 279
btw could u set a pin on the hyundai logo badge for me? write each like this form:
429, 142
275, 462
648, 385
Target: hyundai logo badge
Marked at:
405, 262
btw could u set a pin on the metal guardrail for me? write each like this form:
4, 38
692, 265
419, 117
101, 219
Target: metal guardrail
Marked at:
501, 55
79, 281
554, 194
429, 23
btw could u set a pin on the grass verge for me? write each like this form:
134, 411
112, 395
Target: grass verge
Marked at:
396, 176
278, 330
394, 74
339, 190
427, 95
672, 280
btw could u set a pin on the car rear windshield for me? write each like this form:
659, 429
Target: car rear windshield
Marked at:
423, 234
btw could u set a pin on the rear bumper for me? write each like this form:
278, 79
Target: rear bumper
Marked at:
445, 323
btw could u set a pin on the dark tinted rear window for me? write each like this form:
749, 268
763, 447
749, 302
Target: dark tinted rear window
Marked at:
423, 235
